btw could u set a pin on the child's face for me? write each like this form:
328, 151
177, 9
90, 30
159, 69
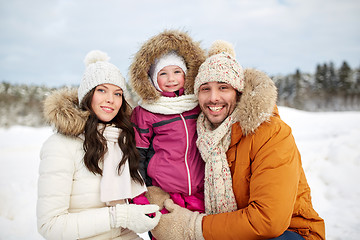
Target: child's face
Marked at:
171, 78
106, 101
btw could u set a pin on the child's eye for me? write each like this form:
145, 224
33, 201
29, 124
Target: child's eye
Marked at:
162, 74
177, 71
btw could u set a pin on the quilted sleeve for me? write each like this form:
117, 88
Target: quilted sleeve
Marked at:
55, 183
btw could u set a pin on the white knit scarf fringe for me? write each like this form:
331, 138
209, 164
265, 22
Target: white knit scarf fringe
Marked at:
213, 145
171, 105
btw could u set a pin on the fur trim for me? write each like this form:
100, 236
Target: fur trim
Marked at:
61, 109
257, 102
154, 48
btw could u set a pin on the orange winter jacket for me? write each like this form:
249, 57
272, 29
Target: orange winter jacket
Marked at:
270, 187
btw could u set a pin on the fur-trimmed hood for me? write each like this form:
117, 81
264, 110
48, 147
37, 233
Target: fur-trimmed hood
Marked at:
258, 101
154, 48
61, 110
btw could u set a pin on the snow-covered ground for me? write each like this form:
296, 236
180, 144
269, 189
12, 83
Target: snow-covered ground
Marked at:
329, 144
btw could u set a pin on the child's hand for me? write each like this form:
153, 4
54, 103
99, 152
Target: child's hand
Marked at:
157, 196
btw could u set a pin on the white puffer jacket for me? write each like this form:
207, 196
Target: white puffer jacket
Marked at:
69, 205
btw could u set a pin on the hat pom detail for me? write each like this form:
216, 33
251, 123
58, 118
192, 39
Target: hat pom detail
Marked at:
96, 56
220, 66
99, 71
220, 46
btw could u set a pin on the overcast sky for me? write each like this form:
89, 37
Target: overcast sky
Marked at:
45, 41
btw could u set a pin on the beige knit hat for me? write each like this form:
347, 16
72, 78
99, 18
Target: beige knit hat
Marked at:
221, 66
99, 71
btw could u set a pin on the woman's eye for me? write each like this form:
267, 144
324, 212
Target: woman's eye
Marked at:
100, 90
118, 94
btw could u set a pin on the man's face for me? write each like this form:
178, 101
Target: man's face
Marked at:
217, 101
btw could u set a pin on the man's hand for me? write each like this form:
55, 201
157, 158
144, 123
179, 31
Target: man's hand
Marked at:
179, 223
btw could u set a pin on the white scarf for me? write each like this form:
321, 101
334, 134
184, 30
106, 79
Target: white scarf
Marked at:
114, 186
213, 145
171, 105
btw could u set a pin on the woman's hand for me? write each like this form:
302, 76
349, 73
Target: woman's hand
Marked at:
134, 217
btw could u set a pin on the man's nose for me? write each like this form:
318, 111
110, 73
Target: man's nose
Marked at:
214, 95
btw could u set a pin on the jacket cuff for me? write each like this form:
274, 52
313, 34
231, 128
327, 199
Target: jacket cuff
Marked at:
96, 223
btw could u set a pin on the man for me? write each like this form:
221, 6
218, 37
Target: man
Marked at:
255, 186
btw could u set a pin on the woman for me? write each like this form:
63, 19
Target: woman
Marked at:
89, 168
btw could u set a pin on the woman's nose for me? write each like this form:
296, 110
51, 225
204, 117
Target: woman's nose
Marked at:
109, 98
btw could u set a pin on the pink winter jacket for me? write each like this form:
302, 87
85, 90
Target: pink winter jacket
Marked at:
174, 162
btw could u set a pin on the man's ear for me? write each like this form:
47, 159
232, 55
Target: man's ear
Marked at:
238, 96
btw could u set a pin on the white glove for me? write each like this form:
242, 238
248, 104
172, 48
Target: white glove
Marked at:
134, 217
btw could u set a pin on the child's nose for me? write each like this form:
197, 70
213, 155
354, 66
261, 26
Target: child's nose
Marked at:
171, 77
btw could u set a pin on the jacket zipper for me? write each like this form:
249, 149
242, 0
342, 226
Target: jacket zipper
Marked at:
186, 153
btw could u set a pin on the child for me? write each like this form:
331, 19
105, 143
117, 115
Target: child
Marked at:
162, 74
89, 168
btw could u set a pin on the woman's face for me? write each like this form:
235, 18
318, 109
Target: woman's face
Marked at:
106, 101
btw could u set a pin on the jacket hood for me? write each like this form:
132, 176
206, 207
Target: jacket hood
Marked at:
154, 48
61, 109
258, 101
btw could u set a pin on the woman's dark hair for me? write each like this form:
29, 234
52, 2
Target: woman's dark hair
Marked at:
95, 145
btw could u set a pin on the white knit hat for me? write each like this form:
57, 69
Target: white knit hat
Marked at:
99, 71
221, 66
171, 58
